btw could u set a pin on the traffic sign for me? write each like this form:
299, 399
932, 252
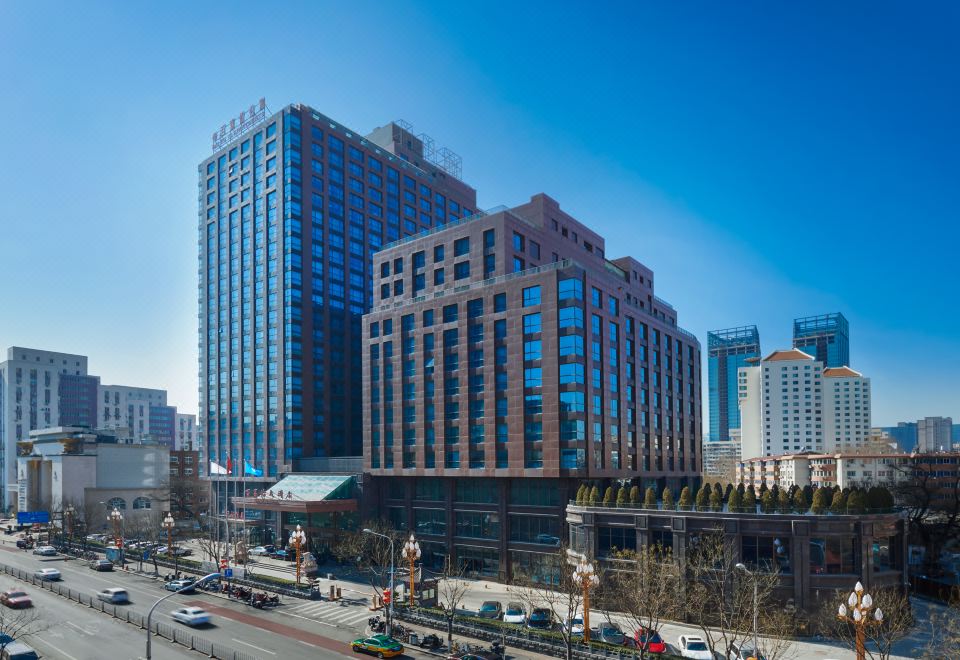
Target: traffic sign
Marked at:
33, 517
228, 572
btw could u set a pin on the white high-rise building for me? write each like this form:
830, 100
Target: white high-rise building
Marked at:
934, 434
30, 386
123, 408
187, 433
789, 403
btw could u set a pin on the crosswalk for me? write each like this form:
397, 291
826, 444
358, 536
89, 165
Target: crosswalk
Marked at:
333, 614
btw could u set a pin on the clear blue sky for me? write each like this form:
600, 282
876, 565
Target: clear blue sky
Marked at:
767, 160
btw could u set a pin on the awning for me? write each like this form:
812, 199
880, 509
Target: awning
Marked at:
306, 493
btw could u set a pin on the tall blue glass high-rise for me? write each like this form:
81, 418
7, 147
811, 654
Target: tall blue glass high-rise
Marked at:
292, 206
826, 337
727, 351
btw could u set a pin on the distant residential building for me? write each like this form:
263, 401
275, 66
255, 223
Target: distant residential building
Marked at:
825, 337
74, 466
934, 434
904, 434
187, 433
30, 398
189, 494
728, 350
720, 457
790, 403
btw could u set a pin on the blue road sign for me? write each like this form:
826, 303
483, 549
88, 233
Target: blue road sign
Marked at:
228, 572
33, 517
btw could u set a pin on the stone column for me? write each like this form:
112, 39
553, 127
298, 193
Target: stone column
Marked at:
866, 554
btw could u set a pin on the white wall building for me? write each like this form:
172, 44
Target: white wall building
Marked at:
29, 399
934, 434
187, 433
123, 407
789, 404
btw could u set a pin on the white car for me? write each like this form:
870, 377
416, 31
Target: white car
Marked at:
574, 626
515, 614
191, 616
114, 595
45, 551
693, 646
47, 574
259, 551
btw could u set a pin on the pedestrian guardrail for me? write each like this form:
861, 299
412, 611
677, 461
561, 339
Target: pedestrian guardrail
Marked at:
179, 636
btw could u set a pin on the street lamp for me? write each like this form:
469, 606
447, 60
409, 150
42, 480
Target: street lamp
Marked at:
741, 567
586, 577
390, 609
204, 579
411, 550
117, 519
68, 515
859, 615
297, 539
168, 524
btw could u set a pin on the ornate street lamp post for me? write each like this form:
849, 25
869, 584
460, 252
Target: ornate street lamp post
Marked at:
392, 591
411, 551
586, 577
742, 567
297, 539
858, 614
168, 524
68, 515
117, 519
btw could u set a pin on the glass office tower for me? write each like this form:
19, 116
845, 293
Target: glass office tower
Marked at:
826, 337
728, 350
291, 211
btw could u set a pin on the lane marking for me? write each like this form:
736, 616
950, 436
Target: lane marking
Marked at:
63, 653
308, 644
240, 641
84, 631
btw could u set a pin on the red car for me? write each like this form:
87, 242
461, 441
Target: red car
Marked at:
15, 599
654, 642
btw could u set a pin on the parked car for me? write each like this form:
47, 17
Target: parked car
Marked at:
45, 551
515, 613
547, 539
540, 619
101, 565
693, 646
191, 616
114, 595
608, 633
490, 609
281, 554
574, 626
653, 641
176, 585
47, 574
181, 552
24, 544
19, 651
261, 551
381, 646
15, 599
744, 652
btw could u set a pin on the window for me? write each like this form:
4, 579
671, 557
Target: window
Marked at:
474, 308
531, 324
833, 556
461, 246
489, 238
478, 524
461, 270
477, 491
518, 264
518, 242
531, 350
571, 345
532, 377
449, 313
571, 288
533, 404
531, 296
612, 539
438, 277
419, 259
765, 553
500, 302
437, 254
544, 530
117, 503
142, 502
571, 402
571, 374
430, 521
427, 318
570, 317
596, 297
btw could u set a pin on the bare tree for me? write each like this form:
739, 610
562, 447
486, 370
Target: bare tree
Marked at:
932, 502
945, 631
371, 554
451, 590
19, 625
645, 585
562, 596
719, 599
880, 638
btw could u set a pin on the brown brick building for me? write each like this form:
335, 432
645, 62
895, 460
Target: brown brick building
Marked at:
507, 360
189, 494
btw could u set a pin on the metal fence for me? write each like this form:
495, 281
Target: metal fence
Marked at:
174, 634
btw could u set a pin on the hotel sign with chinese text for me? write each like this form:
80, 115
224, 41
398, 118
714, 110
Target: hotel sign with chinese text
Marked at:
240, 125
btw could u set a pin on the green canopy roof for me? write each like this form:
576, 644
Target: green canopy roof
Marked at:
312, 488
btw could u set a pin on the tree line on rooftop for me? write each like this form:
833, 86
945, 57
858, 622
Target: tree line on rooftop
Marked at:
741, 499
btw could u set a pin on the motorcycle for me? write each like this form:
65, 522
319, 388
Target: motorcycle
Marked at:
376, 624
496, 649
259, 600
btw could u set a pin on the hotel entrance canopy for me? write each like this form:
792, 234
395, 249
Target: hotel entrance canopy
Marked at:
304, 493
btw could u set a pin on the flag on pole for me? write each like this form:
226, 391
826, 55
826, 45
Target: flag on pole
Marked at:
216, 468
251, 471
230, 467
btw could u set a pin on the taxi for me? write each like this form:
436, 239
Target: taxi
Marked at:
381, 646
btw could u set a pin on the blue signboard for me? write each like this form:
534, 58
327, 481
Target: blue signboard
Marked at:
33, 517
228, 572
